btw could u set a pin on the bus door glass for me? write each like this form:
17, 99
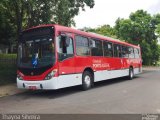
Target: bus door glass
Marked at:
65, 54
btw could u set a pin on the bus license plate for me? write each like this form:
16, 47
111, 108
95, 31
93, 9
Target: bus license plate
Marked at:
32, 87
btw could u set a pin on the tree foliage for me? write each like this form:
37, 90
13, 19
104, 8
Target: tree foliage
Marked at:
17, 15
106, 30
140, 29
6, 26
65, 10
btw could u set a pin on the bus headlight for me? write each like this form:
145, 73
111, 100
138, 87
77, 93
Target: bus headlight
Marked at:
50, 75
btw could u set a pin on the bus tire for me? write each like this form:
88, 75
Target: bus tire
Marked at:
131, 73
87, 80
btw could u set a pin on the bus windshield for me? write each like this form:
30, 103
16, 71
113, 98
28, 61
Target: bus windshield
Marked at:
36, 48
36, 53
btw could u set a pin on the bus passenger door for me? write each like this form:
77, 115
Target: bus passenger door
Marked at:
65, 55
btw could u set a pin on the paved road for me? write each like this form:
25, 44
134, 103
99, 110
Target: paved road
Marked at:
140, 95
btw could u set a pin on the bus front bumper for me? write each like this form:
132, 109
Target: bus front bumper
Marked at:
37, 85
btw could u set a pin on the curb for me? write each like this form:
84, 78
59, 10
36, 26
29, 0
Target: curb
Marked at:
151, 68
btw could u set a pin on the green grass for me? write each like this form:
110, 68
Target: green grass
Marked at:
7, 69
9, 56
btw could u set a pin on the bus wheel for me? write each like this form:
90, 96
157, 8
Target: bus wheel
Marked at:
87, 80
131, 73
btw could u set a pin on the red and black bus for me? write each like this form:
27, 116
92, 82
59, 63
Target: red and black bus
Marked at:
54, 57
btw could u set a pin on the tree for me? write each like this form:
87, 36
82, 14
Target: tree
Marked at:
140, 29
14, 12
123, 29
65, 10
155, 52
146, 53
6, 27
105, 30
38, 12
21, 14
158, 30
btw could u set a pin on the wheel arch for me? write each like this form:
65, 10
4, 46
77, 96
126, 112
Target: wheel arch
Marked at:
90, 70
131, 66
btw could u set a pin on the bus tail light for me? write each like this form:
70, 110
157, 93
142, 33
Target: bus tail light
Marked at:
51, 74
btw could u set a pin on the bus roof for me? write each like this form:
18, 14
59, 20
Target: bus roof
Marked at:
87, 34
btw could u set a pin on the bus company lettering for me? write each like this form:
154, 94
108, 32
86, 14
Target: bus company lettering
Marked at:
99, 64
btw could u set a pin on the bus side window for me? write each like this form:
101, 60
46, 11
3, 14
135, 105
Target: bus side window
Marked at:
96, 47
82, 46
117, 50
124, 52
136, 53
131, 52
120, 51
108, 49
65, 47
